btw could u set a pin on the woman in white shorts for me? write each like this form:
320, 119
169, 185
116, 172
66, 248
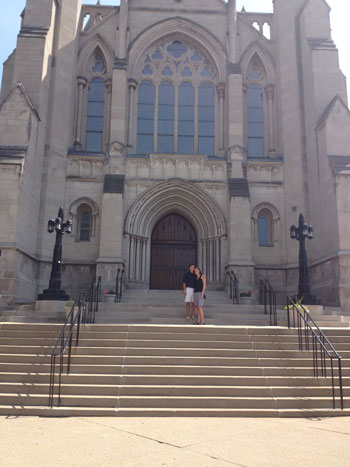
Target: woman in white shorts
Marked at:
199, 291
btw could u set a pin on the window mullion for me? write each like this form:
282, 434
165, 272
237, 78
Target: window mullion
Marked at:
196, 115
176, 118
155, 128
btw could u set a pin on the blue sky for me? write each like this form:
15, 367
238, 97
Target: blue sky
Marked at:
10, 22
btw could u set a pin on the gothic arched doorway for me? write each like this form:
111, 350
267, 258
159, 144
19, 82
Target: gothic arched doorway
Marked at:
173, 248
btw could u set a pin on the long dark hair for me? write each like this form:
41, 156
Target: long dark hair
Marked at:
200, 272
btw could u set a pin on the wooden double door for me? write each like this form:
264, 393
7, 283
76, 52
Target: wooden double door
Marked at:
173, 248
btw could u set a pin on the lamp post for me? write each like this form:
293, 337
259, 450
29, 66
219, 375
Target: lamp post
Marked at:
54, 291
300, 233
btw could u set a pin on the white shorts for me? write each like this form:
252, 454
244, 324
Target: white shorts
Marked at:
189, 295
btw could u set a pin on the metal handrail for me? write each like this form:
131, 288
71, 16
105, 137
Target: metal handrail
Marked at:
268, 299
302, 320
83, 311
234, 287
119, 285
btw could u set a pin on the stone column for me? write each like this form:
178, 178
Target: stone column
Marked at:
269, 90
155, 124
144, 259
235, 139
137, 258
232, 31
204, 257
240, 242
131, 257
217, 260
119, 97
111, 237
196, 145
221, 93
79, 117
123, 26
132, 87
108, 111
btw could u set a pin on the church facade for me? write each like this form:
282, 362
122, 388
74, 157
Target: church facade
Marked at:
174, 131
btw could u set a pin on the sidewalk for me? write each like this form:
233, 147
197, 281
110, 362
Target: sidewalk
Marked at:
170, 442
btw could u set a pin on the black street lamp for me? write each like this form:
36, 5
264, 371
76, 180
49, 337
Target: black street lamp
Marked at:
300, 233
54, 291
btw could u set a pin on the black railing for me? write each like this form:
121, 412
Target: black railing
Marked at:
83, 311
299, 317
234, 287
92, 299
268, 299
119, 285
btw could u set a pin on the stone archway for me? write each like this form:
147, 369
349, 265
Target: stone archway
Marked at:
187, 200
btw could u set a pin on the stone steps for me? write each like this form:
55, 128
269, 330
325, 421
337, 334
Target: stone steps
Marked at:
167, 370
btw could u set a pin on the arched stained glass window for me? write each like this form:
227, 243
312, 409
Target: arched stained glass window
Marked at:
206, 119
181, 79
95, 116
166, 118
265, 228
255, 121
84, 223
145, 117
186, 119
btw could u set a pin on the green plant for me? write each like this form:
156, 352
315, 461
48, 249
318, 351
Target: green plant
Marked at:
69, 304
109, 292
246, 294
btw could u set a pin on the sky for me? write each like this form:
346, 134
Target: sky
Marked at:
10, 23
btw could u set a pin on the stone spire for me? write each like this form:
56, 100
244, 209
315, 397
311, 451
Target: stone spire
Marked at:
123, 26
232, 33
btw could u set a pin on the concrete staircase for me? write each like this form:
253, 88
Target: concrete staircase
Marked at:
168, 370
30, 312
167, 307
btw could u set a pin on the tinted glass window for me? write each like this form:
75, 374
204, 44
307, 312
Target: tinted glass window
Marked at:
85, 223
95, 116
255, 121
263, 228
186, 119
206, 119
145, 117
166, 118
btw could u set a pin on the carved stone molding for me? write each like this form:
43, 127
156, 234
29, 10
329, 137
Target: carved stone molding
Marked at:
236, 153
116, 149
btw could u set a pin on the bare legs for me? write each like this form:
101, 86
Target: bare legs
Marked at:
200, 315
188, 310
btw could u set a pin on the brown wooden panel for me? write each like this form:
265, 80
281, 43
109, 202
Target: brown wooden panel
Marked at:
173, 249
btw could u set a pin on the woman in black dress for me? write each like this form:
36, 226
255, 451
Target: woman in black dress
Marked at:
199, 290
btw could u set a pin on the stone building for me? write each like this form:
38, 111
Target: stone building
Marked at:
174, 131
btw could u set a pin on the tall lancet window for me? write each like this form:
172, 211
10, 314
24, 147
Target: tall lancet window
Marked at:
95, 116
255, 111
176, 101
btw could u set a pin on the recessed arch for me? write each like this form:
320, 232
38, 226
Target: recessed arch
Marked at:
194, 205
100, 43
264, 57
176, 196
83, 200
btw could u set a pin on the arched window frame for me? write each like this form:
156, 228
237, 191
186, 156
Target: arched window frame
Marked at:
259, 72
156, 66
87, 73
76, 210
271, 213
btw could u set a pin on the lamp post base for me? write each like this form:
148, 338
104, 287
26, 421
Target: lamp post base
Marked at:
51, 294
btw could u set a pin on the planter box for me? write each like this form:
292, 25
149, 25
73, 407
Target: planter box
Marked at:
110, 298
246, 300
